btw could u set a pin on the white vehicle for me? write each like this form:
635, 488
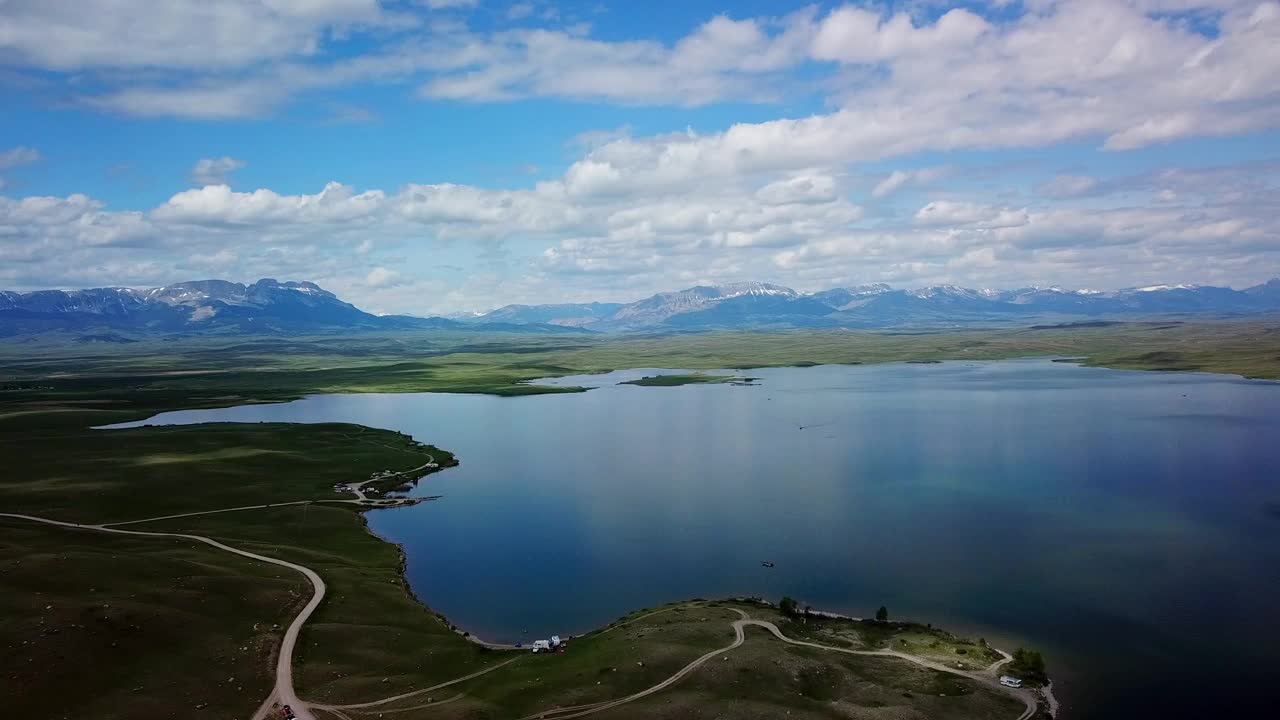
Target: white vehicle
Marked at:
1010, 681
541, 645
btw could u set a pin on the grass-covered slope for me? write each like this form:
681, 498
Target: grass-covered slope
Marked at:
118, 628
169, 616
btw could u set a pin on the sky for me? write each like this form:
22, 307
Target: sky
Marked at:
437, 156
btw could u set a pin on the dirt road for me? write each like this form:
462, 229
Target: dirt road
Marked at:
987, 677
284, 665
415, 693
1027, 697
579, 711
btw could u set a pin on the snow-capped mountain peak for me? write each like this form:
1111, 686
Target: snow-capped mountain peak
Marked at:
948, 290
738, 289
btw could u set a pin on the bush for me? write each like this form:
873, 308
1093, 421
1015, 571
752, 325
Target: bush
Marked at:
882, 614
1029, 665
789, 606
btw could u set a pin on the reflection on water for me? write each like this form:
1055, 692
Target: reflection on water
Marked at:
1117, 520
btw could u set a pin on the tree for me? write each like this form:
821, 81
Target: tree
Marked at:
1029, 665
882, 614
788, 606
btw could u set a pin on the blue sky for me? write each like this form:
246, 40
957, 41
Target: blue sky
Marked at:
432, 156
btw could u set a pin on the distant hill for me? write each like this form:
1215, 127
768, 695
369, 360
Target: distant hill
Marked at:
212, 306
566, 314
757, 305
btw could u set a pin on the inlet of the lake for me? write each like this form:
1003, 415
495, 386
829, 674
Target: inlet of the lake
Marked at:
1125, 523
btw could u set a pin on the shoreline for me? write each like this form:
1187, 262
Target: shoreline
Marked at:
1044, 694
529, 388
1045, 691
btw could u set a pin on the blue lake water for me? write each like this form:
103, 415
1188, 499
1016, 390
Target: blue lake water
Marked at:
1126, 523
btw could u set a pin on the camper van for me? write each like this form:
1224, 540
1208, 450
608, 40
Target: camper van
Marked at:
551, 645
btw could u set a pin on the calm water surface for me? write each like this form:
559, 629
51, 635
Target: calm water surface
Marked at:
1126, 523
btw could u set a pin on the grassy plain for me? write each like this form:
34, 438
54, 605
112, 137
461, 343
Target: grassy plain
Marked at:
115, 627
210, 372
197, 626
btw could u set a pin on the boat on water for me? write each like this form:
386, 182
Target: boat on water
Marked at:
766, 563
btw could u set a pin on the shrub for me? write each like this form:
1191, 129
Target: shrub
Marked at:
789, 606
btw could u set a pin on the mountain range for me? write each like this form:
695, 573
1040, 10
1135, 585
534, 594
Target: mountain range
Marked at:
763, 305
212, 306
270, 306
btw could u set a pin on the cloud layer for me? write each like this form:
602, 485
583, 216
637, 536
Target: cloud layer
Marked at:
576, 237
787, 199
1132, 72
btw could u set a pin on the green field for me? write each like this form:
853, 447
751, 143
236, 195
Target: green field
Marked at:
98, 626
211, 372
162, 625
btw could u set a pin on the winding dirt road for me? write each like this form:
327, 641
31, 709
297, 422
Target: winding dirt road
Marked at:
358, 487
415, 693
283, 692
362, 501
986, 677
215, 512
578, 711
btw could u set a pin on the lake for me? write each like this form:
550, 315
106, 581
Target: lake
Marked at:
1125, 523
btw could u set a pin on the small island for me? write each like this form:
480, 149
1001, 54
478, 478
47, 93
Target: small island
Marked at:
689, 379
